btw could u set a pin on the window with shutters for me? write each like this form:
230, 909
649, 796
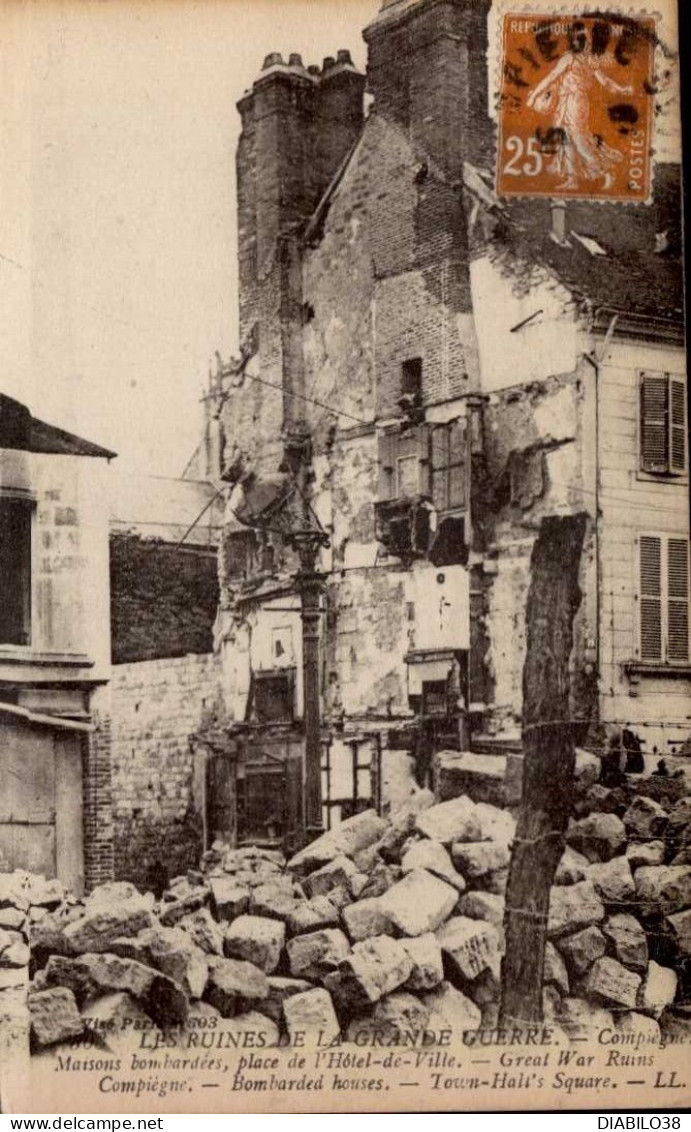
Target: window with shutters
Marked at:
663, 424
663, 598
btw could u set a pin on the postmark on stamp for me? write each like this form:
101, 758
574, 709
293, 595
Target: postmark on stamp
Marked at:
576, 106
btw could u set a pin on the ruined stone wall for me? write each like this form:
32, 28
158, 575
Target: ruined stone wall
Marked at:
156, 706
387, 282
163, 599
537, 463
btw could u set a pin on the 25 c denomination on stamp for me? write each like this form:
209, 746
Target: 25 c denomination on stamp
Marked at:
576, 106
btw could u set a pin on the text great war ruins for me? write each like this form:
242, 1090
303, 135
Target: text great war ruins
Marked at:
413, 624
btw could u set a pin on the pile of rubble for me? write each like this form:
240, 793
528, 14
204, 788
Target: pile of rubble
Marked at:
381, 926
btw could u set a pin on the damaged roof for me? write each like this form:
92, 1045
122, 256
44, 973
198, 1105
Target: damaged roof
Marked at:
640, 273
20, 430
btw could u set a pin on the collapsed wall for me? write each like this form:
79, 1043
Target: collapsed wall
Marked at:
383, 926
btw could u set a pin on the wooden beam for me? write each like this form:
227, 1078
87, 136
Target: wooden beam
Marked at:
549, 759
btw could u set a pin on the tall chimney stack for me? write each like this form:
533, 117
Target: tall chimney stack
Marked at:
427, 70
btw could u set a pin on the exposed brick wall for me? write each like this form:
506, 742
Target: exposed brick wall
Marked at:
98, 803
163, 599
156, 706
427, 71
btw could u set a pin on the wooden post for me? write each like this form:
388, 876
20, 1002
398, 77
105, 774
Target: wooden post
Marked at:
549, 758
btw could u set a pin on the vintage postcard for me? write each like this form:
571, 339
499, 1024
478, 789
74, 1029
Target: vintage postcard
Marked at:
345, 671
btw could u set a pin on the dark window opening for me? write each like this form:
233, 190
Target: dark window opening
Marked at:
272, 696
450, 547
15, 570
260, 805
411, 378
434, 697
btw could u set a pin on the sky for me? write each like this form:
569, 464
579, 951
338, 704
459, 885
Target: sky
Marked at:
118, 128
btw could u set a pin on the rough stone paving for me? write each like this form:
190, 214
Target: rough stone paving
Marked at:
384, 925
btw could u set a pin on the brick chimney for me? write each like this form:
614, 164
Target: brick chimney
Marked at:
298, 124
427, 71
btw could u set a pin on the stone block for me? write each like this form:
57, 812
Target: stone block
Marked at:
348, 839
487, 906
658, 990
627, 941
479, 777
366, 918
645, 853
666, 888
572, 907
374, 968
312, 915
449, 1009
450, 821
313, 955
280, 989
105, 920
680, 926
613, 880
228, 898
572, 867
645, 819
312, 1013
432, 855
235, 986
471, 946
336, 874
275, 899
610, 983
419, 903
477, 859
172, 951
54, 1016
258, 939
203, 931
581, 949
424, 952
599, 837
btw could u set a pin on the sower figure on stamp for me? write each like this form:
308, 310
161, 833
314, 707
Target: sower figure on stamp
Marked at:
565, 94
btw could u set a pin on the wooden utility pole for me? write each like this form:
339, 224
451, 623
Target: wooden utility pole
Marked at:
307, 536
549, 759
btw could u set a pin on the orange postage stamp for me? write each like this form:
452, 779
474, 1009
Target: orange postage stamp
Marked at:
576, 106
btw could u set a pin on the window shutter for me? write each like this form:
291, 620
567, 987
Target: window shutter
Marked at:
677, 425
654, 431
423, 443
387, 461
458, 447
449, 465
440, 464
677, 599
651, 597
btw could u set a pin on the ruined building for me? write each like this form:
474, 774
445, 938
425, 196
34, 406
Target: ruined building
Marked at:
55, 799
427, 372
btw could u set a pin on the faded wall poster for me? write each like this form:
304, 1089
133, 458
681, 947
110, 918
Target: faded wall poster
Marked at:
345, 684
